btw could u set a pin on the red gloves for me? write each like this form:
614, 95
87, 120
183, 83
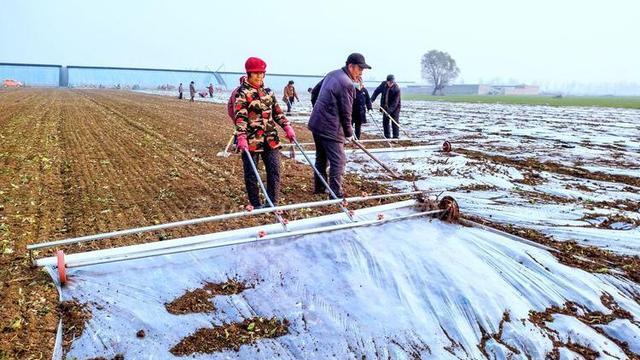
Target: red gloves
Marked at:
242, 142
291, 135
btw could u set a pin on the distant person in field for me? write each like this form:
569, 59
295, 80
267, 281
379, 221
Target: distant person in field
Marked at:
289, 96
330, 121
256, 114
361, 103
390, 102
192, 90
180, 91
210, 88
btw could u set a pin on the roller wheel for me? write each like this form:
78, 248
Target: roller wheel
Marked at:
446, 147
451, 211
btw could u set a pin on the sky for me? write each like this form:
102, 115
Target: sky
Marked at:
542, 41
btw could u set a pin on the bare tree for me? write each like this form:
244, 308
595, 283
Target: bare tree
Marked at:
438, 68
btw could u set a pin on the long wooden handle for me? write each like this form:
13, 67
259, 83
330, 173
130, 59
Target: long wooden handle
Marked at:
393, 173
226, 149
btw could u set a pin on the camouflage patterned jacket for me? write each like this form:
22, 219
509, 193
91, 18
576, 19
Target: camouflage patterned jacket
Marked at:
256, 114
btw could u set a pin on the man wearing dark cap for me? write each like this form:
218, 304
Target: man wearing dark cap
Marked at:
330, 120
390, 102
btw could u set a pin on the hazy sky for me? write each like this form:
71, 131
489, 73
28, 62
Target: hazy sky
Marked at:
531, 41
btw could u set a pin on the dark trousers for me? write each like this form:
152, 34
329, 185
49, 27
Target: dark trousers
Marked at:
394, 127
289, 103
179, 95
271, 159
333, 152
357, 124
210, 93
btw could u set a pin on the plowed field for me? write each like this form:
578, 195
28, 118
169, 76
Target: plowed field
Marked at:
76, 162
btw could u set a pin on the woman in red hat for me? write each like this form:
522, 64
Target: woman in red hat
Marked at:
256, 114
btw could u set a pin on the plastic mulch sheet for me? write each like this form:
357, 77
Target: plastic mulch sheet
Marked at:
416, 288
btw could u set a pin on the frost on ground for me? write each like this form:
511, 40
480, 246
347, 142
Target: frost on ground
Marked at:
573, 173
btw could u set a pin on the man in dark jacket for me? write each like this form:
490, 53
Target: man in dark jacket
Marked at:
390, 102
330, 121
361, 103
192, 90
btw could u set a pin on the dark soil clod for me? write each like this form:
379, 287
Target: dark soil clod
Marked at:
74, 316
230, 336
199, 300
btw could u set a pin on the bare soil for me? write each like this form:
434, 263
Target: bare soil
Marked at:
199, 300
117, 357
230, 336
570, 253
531, 178
534, 164
610, 219
74, 316
474, 187
588, 317
627, 205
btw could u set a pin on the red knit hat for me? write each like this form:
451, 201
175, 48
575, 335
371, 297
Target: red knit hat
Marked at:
255, 65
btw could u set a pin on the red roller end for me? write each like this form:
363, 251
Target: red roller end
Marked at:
62, 267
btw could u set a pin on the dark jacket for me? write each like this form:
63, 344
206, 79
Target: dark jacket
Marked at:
361, 103
390, 100
331, 115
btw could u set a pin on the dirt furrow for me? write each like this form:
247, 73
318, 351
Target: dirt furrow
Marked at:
92, 150
142, 177
28, 212
188, 171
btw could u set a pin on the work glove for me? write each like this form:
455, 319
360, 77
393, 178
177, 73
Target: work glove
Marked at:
349, 139
291, 135
242, 143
